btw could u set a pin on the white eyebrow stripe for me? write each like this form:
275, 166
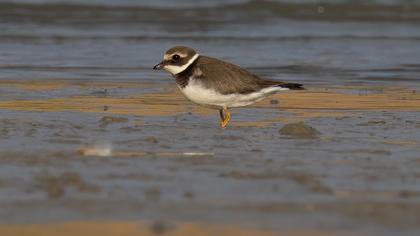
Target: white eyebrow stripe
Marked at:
178, 69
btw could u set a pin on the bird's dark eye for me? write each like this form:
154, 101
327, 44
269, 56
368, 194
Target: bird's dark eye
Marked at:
175, 57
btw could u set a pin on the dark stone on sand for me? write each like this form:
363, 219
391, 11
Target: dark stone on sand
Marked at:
152, 140
189, 195
152, 194
55, 186
274, 102
299, 130
373, 122
106, 120
161, 227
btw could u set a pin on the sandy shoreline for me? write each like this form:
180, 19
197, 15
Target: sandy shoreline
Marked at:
129, 228
135, 150
95, 142
301, 104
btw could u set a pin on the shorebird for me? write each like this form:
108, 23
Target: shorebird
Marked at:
217, 84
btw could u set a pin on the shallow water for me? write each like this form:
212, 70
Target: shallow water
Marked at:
76, 76
365, 44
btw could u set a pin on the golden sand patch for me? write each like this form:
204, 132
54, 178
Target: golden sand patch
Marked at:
391, 99
301, 104
151, 104
37, 85
391, 195
400, 142
45, 85
112, 228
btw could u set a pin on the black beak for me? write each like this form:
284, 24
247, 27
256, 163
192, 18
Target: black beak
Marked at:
159, 66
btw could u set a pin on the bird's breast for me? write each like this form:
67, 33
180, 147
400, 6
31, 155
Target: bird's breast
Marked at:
198, 93
210, 97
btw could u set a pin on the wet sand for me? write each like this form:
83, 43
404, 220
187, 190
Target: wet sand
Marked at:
93, 141
140, 228
135, 154
308, 103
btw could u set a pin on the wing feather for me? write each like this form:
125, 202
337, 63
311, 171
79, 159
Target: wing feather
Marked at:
228, 78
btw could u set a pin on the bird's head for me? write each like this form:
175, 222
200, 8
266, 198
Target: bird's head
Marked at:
177, 59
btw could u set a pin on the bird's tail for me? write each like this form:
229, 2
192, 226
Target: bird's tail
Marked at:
293, 86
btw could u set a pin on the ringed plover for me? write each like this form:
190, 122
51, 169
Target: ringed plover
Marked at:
217, 84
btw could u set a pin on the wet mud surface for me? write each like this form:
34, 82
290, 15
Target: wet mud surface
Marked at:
92, 140
144, 158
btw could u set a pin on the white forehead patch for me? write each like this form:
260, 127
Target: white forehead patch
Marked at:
178, 69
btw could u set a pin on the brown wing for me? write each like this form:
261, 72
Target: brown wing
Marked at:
228, 78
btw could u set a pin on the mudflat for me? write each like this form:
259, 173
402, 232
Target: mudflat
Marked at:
325, 156
93, 141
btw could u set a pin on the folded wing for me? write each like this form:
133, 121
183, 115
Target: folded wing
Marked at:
228, 78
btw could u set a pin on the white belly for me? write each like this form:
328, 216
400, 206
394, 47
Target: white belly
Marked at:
199, 94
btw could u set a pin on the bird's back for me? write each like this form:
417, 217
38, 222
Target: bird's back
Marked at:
228, 78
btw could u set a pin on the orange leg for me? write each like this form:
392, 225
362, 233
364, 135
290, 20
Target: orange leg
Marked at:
222, 116
224, 120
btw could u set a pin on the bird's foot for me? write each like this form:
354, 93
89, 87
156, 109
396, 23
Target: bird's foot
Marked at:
224, 120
